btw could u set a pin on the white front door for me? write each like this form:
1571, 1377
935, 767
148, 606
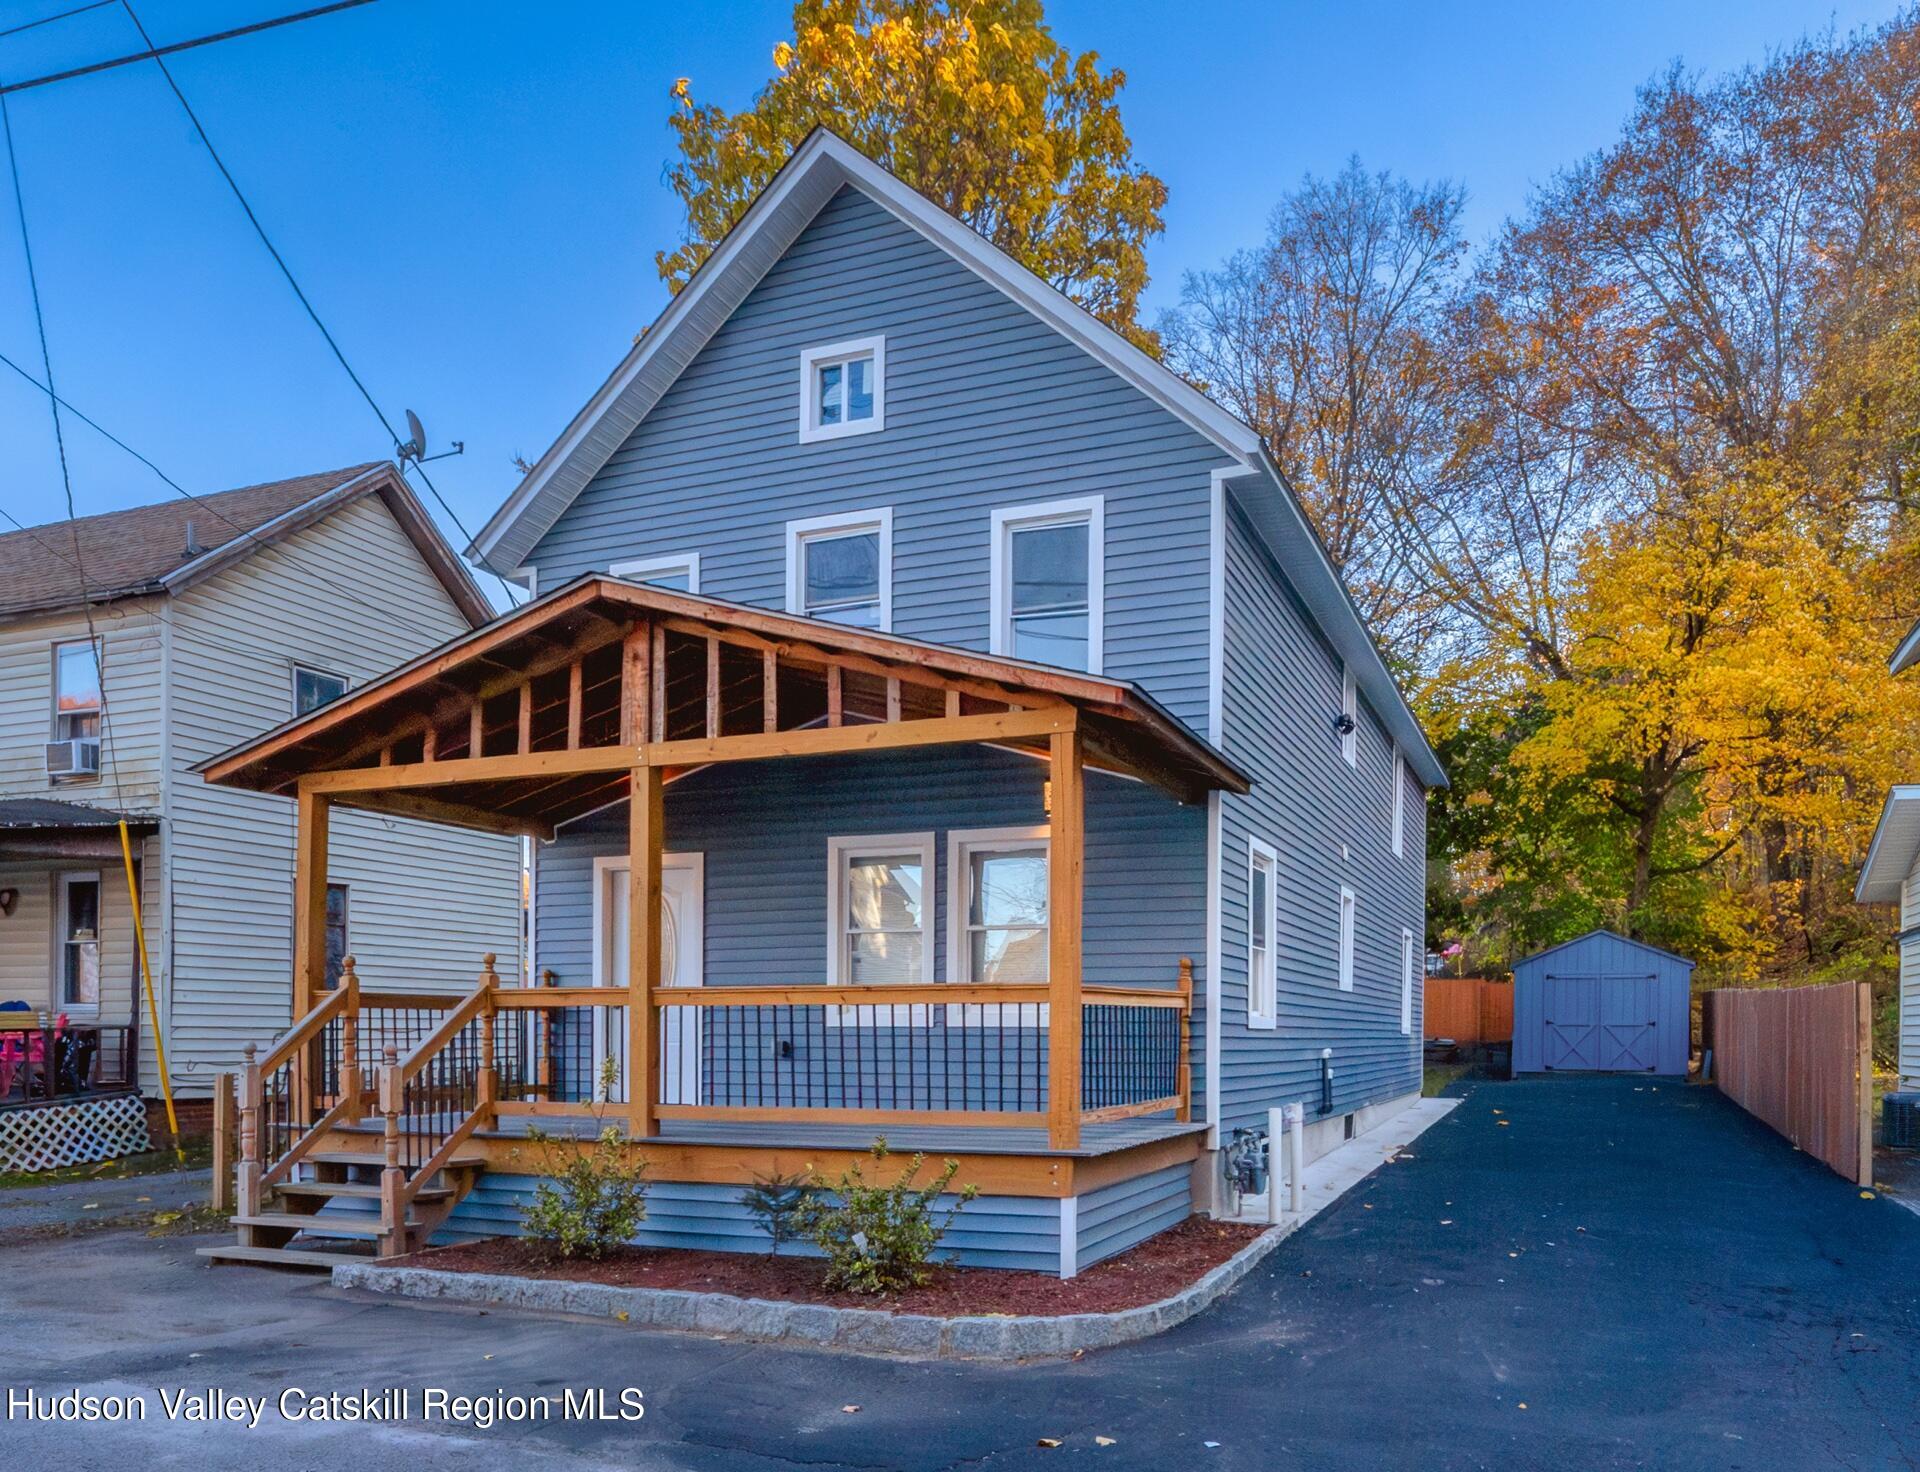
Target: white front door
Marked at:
682, 945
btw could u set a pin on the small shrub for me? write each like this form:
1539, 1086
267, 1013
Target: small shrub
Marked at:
776, 1202
595, 1201
879, 1238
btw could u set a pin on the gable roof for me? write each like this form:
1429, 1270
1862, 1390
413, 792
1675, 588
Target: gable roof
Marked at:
1895, 847
1600, 934
819, 168
170, 545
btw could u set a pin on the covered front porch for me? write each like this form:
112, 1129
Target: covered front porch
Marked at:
589, 709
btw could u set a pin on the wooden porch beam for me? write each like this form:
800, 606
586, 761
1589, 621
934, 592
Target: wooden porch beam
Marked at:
873, 736
1065, 888
461, 771
439, 810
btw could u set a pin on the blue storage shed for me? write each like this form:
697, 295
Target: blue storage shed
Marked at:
1602, 1004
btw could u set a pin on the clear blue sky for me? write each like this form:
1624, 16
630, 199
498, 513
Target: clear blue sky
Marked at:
471, 192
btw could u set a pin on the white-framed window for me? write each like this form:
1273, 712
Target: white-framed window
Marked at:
1350, 711
1348, 906
997, 905
880, 909
76, 690
78, 928
843, 389
1049, 578
314, 688
1406, 983
678, 572
840, 568
1399, 803
1263, 915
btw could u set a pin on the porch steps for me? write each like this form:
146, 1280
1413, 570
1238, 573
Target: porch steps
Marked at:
365, 1190
320, 1224
313, 1259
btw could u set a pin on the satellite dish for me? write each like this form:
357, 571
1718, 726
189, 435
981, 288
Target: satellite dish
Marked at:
415, 448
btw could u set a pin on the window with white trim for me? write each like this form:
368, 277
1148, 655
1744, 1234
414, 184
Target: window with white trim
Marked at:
76, 690
314, 688
1350, 713
843, 389
1348, 906
678, 573
1049, 572
997, 905
880, 910
840, 568
79, 931
1262, 921
1399, 803
1406, 983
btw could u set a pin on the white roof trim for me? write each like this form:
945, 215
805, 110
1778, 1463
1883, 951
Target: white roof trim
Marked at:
1909, 651
1895, 848
802, 187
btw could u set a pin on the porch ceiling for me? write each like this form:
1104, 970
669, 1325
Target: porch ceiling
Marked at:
550, 690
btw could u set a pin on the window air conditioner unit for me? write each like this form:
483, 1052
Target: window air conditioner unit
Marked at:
79, 757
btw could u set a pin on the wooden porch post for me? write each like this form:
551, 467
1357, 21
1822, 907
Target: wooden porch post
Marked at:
1065, 873
309, 934
645, 821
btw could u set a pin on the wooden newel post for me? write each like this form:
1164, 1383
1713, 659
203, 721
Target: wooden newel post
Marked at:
1065, 874
489, 1072
250, 1166
543, 1025
393, 1180
1184, 1076
350, 1042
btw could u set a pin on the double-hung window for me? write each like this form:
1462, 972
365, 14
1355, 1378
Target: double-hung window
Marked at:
76, 690
1348, 906
79, 921
1350, 719
1399, 803
678, 573
1262, 921
315, 688
843, 389
880, 910
1406, 983
840, 568
1048, 570
998, 905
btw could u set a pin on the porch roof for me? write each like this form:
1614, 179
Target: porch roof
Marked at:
546, 680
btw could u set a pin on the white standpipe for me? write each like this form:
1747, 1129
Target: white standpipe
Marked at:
1296, 1154
1276, 1120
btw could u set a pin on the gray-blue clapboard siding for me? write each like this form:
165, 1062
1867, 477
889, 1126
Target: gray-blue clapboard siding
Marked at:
1330, 825
1020, 1232
985, 407
1126, 1213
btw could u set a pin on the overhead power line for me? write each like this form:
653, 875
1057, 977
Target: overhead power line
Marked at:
286, 271
47, 20
154, 53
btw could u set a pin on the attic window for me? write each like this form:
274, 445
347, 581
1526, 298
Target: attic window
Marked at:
315, 688
843, 389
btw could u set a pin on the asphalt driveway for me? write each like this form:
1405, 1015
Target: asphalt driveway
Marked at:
1565, 1274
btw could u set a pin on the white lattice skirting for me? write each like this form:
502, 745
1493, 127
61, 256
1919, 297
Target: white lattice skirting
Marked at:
72, 1134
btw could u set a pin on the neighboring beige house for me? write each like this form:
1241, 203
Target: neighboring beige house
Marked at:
214, 619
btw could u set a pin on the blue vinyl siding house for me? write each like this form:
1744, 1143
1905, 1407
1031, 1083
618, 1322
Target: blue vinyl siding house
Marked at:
1214, 600
868, 474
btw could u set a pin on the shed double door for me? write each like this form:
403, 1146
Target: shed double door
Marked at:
1600, 1024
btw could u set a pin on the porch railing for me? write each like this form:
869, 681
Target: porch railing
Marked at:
45, 1060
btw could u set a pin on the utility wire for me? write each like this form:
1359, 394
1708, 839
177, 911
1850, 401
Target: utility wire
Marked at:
153, 53
326, 579
47, 20
287, 272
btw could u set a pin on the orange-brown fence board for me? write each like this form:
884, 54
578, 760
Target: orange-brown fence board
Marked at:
1799, 1059
1469, 1009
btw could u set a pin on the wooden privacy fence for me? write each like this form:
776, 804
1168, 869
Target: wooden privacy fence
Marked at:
1469, 1009
1801, 1060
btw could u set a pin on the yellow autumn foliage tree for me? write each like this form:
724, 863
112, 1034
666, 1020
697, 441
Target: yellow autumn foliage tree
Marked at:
973, 103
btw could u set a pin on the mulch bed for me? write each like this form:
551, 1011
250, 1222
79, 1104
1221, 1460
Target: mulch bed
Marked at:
1156, 1269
